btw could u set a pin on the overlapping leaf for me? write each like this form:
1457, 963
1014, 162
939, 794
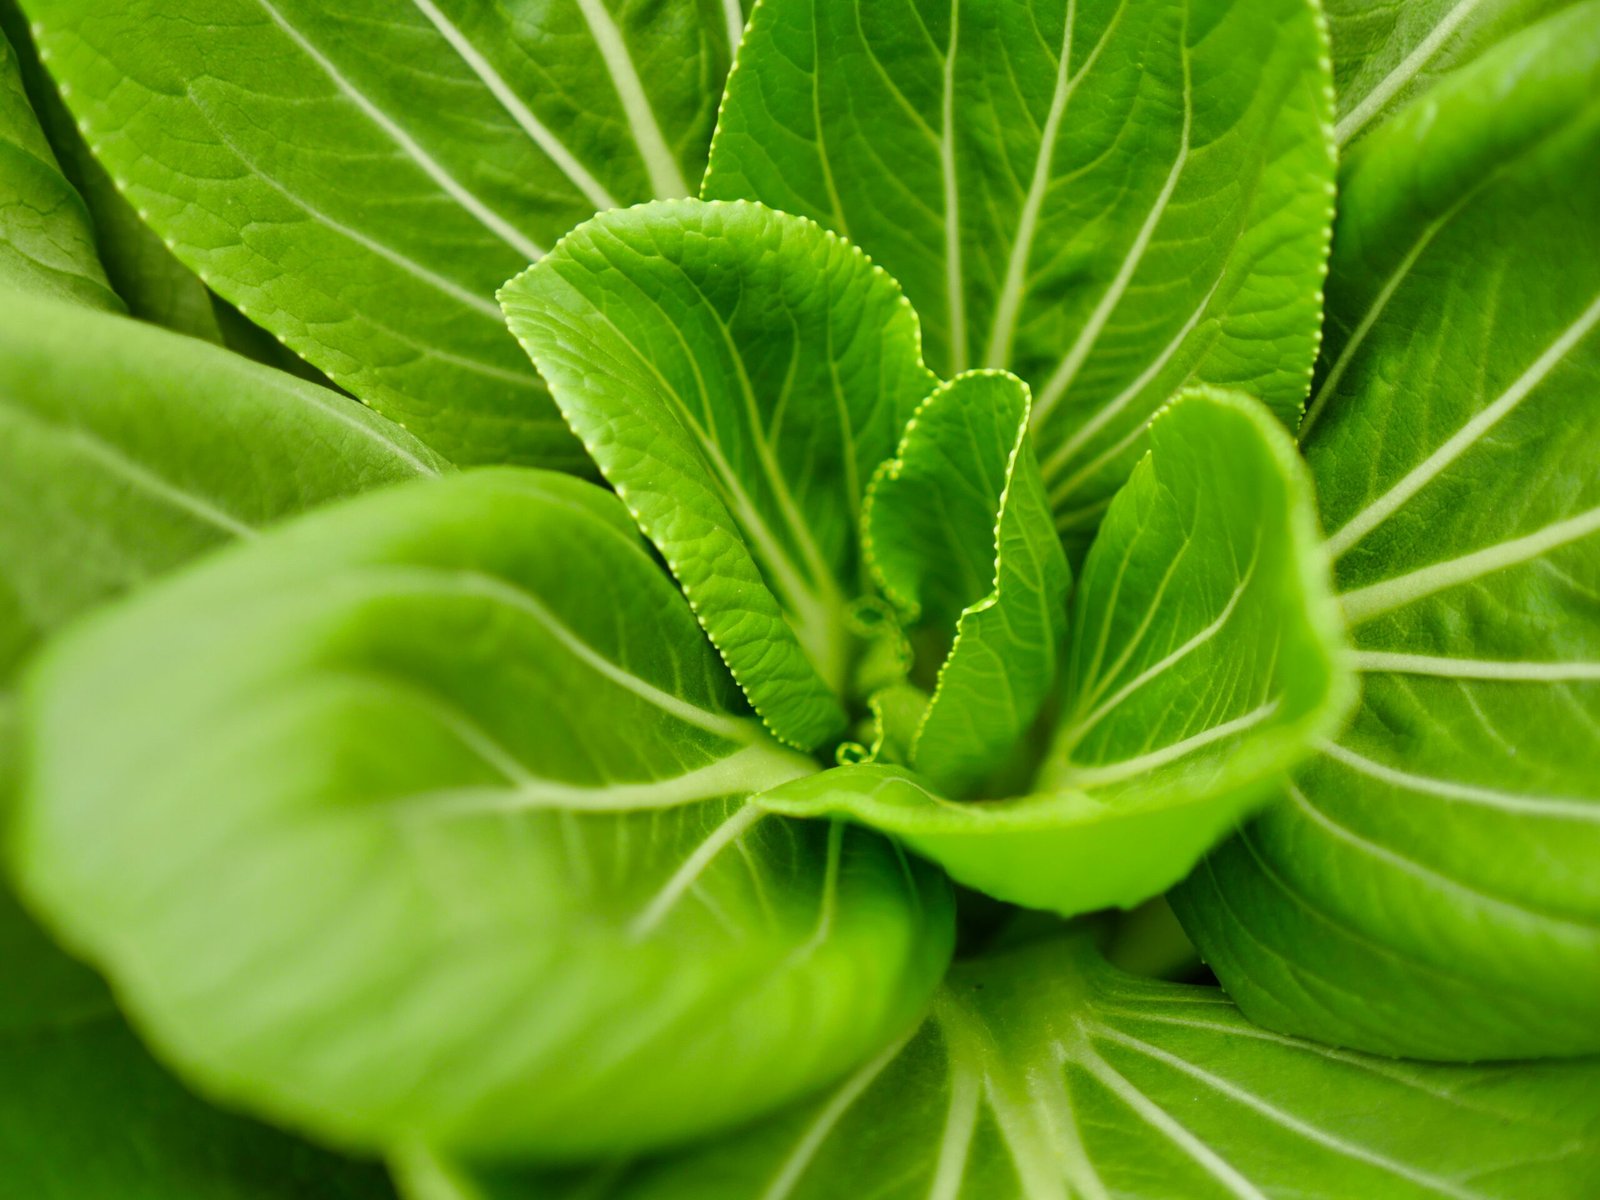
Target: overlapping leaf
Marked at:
86, 1114
1109, 199
46, 240
1043, 1074
1205, 658
358, 178
1428, 886
738, 375
960, 537
1386, 54
481, 834
125, 451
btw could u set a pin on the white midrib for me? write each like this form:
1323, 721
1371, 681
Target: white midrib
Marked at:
1113, 772
1286, 1120
733, 15
1365, 603
1386, 505
970, 1049
1561, 808
726, 834
148, 481
742, 771
519, 112
666, 180
1499, 670
1405, 70
1164, 1123
794, 1167
955, 291
1081, 728
1004, 328
1075, 357
1430, 876
486, 216
1063, 454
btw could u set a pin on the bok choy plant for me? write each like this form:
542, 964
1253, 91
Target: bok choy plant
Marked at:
654, 599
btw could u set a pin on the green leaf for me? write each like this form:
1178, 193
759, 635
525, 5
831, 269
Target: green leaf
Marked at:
359, 178
1387, 54
85, 1114
1108, 199
1205, 659
126, 450
46, 240
1428, 886
1043, 1074
461, 852
960, 536
738, 375
1206, 644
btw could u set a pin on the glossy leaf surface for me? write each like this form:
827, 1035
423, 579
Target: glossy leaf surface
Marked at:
1428, 886
359, 178
960, 537
465, 853
1206, 658
1043, 1074
738, 375
1109, 199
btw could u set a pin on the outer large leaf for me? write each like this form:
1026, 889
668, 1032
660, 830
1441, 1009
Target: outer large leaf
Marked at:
1205, 660
1043, 1074
125, 450
46, 242
85, 1114
360, 177
1108, 198
1429, 885
738, 374
1386, 54
382, 825
960, 536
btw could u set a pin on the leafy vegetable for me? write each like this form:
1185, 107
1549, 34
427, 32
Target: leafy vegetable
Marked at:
960, 535
1429, 885
1110, 199
1204, 659
738, 375
1042, 1073
752, 826
360, 178
545, 887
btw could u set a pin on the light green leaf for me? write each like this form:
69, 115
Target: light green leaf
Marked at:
960, 536
358, 178
1206, 658
738, 374
1386, 54
1428, 886
85, 1114
383, 827
126, 450
1206, 645
1109, 199
1044, 1074
46, 241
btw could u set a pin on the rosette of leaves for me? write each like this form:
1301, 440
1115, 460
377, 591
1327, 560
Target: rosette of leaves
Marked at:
554, 838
